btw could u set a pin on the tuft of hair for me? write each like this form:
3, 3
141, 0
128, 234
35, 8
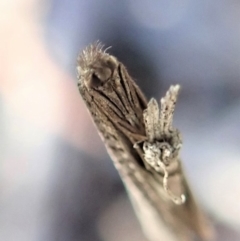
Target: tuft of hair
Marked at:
91, 54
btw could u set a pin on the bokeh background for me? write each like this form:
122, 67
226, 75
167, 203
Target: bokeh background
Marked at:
57, 182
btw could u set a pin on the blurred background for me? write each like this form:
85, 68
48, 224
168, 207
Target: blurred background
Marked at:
57, 181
